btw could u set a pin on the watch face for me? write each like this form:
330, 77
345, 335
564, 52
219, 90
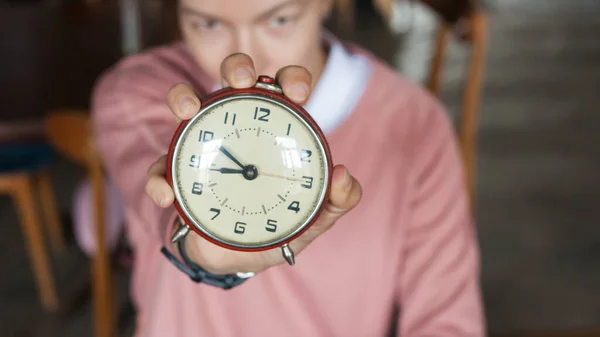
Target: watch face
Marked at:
248, 172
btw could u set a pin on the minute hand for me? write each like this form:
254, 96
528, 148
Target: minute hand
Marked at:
230, 156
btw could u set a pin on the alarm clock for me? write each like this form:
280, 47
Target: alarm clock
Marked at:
251, 171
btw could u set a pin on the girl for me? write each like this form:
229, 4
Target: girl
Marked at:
396, 232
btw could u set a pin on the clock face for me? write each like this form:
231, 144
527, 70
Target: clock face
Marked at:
248, 172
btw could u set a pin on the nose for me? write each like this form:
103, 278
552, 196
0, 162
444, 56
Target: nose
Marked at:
246, 43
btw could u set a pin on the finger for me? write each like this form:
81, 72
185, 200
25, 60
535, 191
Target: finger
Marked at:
345, 194
237, 71
295, 82
182, 101
157, 187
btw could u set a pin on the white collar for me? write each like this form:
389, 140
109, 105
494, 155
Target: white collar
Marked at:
339, 89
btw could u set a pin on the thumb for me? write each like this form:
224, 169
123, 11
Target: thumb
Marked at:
345, 195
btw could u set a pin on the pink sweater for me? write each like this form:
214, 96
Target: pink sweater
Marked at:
409, 244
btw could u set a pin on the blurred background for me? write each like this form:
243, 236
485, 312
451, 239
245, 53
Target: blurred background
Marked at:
523, 86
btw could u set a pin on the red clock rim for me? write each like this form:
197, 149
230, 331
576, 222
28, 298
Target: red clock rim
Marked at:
226, 92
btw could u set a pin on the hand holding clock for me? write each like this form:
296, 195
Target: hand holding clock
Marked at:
237, 71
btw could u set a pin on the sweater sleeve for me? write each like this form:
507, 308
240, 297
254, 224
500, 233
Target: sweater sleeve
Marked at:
439, 292
133, 127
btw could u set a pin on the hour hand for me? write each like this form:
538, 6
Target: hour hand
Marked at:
230, 156
226, 170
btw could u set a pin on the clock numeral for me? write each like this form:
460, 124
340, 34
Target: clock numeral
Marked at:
288, 130
308, 183
217, 212
205, 136
294, 206
195, 161
227, 117
263, 117
271, 226
305, 154
197, 188
240, 227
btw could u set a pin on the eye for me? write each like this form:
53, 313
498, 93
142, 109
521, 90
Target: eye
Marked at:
206, 24
280, 21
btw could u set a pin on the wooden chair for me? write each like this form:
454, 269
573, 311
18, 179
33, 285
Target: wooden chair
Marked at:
69, 132
467, 129
23, 175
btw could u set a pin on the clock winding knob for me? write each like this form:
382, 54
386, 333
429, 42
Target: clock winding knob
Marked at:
268, 83
266, 79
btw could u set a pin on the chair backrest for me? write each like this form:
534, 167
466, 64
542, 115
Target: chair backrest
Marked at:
467, 128
449, 12
69, 133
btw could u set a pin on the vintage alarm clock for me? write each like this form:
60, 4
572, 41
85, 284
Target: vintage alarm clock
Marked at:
251, 171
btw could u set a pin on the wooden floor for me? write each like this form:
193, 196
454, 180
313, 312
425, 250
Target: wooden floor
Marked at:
538, 189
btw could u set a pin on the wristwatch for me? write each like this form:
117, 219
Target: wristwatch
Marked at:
200, 275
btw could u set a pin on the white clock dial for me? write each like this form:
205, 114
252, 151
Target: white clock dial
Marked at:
248, 172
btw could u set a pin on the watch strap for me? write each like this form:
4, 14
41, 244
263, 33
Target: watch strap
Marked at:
200, 275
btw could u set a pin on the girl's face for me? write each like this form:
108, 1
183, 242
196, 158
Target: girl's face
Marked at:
274, 33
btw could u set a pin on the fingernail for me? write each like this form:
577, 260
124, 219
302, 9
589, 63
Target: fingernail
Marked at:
158, 198
298, 92
244, 77
187, 105
347, 180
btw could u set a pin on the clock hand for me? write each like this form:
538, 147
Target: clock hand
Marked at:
279, 176
227, 170
230, 156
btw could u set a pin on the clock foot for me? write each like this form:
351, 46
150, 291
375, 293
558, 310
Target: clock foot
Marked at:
288, 254
181, 233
